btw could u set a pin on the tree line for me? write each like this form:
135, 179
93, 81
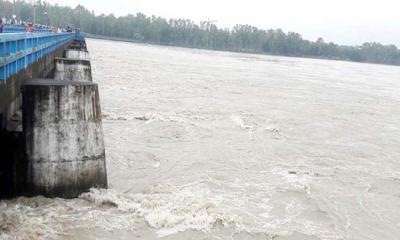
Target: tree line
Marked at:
205, 35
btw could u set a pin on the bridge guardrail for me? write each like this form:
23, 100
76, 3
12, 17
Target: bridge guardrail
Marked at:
20, 28
19, 50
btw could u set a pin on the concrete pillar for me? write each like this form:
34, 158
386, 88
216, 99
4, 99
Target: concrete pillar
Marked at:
77, 54
63, 137
77, 44
72, 70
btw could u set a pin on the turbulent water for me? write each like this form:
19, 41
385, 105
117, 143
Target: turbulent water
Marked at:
215, 145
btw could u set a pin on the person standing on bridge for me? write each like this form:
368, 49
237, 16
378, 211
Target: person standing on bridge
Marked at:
29, 28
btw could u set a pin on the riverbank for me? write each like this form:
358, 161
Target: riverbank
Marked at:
93, 36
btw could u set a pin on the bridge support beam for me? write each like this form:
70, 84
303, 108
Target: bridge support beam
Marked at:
63, 137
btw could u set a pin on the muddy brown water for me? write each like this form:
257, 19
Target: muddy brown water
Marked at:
215, 145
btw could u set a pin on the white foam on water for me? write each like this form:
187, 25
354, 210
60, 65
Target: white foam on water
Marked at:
168, 212
151, 117
240, 122
26, 218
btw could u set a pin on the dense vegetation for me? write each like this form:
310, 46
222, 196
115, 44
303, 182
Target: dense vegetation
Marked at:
186, 33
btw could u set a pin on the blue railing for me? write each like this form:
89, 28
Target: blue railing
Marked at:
19, 50
19, 28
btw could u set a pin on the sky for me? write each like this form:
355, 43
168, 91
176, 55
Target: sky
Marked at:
349, 22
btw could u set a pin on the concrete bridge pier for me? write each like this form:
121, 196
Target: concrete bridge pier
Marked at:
68, 69
63, 137
76, 64
81, 54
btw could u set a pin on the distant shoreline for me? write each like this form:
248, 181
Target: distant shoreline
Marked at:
93, 36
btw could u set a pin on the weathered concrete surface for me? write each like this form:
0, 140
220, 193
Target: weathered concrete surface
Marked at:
72, 70
64, 137
10, 89
77, 54
11, 119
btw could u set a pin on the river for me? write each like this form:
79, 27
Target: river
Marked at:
217, 145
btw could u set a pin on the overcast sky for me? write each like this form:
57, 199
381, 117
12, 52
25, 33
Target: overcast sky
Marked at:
341, 21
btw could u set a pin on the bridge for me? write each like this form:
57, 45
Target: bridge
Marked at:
50, 121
